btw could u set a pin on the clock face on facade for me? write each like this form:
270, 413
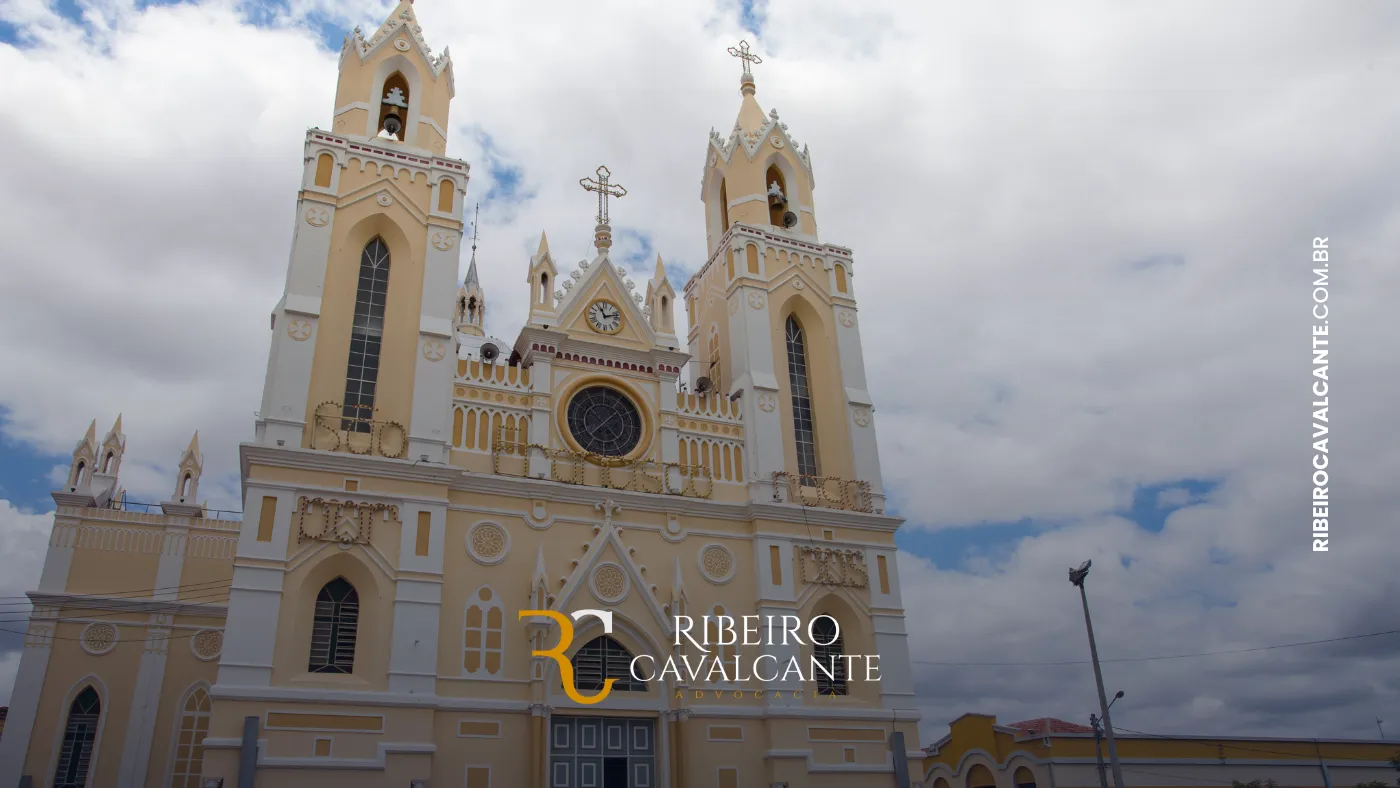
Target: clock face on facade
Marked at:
605, 316
604, 421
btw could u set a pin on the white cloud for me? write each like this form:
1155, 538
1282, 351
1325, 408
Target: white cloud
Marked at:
1081, 237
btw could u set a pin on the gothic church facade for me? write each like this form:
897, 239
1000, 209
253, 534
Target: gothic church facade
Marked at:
414, 484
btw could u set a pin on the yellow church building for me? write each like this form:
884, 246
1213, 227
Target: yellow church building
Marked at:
467, 562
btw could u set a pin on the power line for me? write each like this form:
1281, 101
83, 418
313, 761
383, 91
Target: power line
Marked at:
1163, 656
137, 592
214, 594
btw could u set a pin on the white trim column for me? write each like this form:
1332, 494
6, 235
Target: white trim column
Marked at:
413, 652
24, 701
145, 704
751, 351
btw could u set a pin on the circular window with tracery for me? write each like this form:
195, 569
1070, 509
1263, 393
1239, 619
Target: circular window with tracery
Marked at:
604, 421
488, 543
98, 638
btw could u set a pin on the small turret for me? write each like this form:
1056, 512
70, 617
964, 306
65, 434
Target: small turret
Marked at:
184, 500
542, 278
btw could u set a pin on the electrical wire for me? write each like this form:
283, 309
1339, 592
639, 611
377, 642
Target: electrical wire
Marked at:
211, 598
1162, 656
137, 592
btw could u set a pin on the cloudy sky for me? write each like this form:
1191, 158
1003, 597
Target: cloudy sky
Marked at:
1082, 243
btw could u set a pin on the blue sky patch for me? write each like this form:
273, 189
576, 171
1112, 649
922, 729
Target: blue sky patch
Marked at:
950, 548
24, 472
1153, 503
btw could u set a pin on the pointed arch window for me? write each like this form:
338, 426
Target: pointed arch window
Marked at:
604, 658
803, 431
333, 628
78, 473
827, 650
484, 645
366, 336
75, 755
189, 741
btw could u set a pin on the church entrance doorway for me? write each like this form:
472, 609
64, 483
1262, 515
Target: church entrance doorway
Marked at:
602, 752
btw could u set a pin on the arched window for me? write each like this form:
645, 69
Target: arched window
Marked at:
78, 473
1024, 778
980, 776
665, 313
366, 335
394, 105
325, 165
189, 740
827, 649
484, 638
185, 485
940, 783
544, 289
107, 463
726, 654
76, 753
716, 373
803, 431
446, 189
471, 311
333, 628
777, 198
604, 658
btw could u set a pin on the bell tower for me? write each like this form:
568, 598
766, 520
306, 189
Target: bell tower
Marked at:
364, 333
774, 311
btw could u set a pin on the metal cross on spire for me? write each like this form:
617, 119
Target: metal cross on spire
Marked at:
475, 222
604, 189
744, 55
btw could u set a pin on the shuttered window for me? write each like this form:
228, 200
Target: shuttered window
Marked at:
76, 753
334, 627
605, 658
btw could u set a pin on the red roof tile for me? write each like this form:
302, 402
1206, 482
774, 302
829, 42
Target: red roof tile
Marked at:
1042, 726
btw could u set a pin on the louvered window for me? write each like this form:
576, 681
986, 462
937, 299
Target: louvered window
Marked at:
605, 658
333, 628
366, 334
76, 752
804, 434
828, 657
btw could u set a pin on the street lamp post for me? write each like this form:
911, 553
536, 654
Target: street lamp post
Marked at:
1076, 578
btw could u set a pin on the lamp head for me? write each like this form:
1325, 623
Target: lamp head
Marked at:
1076, 576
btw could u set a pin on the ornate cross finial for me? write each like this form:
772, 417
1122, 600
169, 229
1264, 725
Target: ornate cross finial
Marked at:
604, 189
744, 55
608, 508
475, 222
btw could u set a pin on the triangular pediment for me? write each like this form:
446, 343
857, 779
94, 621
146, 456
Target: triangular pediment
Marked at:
372, 189
401, 20
602, 280
607, 548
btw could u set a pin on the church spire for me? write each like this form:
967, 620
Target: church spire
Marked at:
471, 299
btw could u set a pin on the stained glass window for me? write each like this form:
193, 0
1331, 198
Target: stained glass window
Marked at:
75, 754
333, 628
804, 434
366, 334
604, 421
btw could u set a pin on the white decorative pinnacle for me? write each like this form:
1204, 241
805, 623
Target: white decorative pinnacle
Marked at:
569, 284
630, 285
637, 297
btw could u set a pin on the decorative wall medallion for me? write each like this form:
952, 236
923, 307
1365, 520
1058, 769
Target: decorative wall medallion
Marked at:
207, 644
98, 638
384, 199
798, 284
434, 349
776, 140
767, 402
609, 583
673, 524
488, 543
713, 158
444, 241
862, 417
318, 217
734, 306
299, 329
846, 318
401, 44
756, 299
716, 564
668, 420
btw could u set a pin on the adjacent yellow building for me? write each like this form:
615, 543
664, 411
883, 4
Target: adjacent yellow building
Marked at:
414, 485
1051, 753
